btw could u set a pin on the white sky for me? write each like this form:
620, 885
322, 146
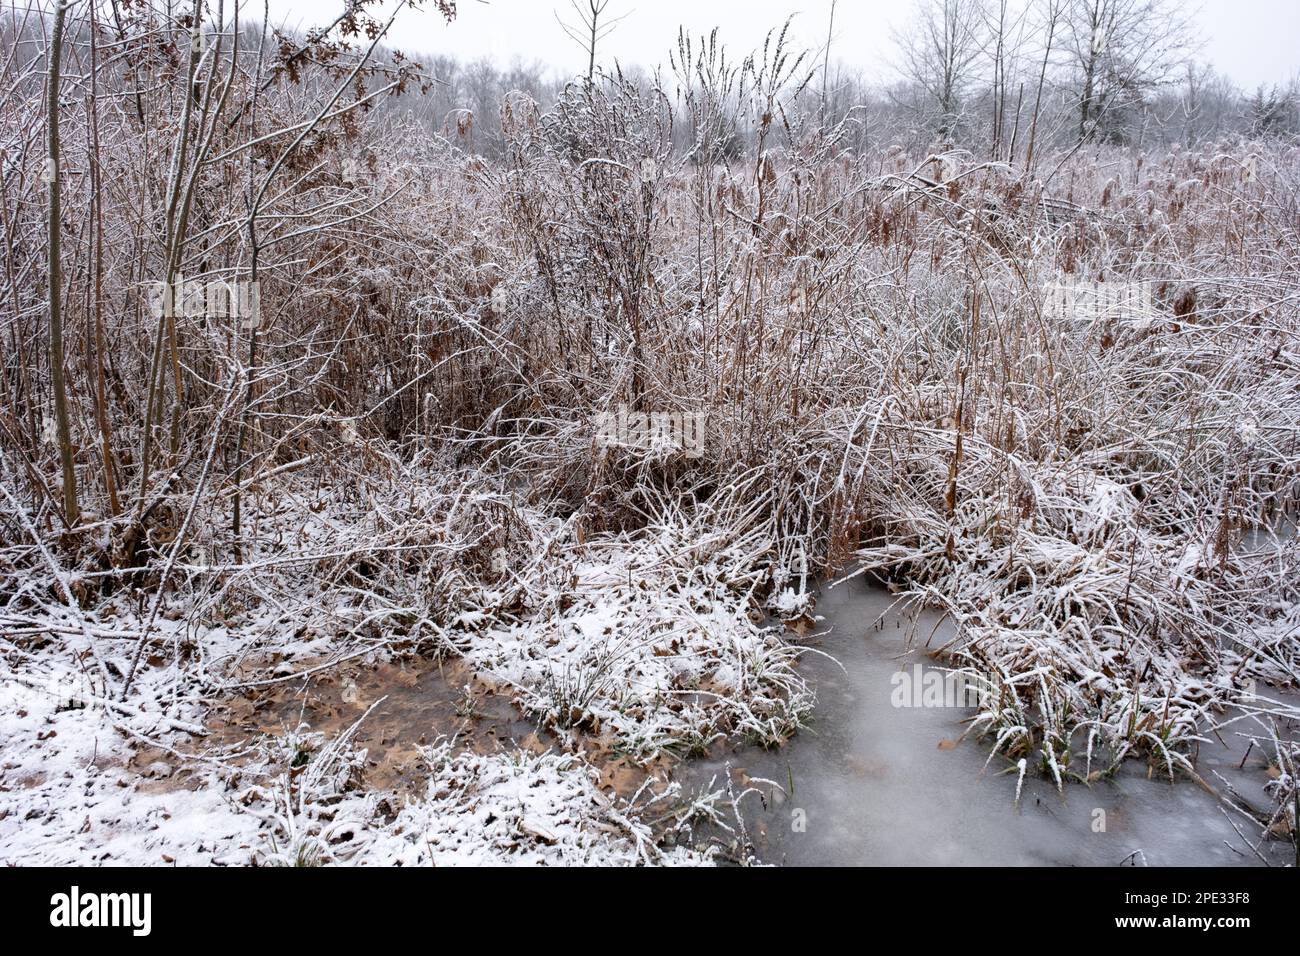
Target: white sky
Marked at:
1252, 41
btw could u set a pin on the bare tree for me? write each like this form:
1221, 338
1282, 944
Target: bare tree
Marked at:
1120, 50
1004, 30
1051, 16
826, 62
590, 29
940, 51
70, 509
1202, 107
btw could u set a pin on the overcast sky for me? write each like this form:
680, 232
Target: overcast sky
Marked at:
1253, 41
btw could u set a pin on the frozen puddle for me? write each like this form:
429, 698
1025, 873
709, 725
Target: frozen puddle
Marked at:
875, 784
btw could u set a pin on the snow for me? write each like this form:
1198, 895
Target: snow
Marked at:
522, 809
677, 660
68, 796
659, 651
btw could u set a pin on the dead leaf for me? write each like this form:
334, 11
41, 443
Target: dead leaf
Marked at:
537, 832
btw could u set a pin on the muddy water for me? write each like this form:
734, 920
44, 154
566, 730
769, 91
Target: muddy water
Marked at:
413, 705
406, 705
878, 784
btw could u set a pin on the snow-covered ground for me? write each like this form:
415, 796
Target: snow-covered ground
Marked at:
81, 785
620, 648
71, 791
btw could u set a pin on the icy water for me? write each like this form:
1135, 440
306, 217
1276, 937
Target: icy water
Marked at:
873, 783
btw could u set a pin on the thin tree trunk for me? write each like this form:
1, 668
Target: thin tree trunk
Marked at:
97, 220
71, 513
826, 62
1038, 94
